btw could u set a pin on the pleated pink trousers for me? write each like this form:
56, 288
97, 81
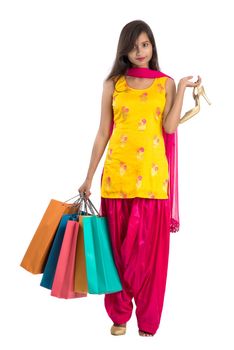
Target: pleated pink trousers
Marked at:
140, 237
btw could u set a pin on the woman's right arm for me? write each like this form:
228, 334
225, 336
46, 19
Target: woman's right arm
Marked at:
102, 136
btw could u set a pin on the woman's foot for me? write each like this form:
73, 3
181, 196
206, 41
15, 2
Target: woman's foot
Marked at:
118, 329
145, 334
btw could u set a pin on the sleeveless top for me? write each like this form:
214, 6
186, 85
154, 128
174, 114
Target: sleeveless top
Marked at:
136, 164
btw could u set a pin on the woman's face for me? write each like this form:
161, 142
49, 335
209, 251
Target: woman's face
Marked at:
142, 52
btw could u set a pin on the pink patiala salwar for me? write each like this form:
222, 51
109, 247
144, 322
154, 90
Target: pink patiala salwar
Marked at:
140, 233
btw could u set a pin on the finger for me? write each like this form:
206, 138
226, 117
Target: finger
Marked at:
198, 80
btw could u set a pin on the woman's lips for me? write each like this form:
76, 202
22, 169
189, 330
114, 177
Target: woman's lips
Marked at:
141, 58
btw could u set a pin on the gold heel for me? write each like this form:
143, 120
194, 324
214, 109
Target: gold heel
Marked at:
196, 109
192, 111
201, 91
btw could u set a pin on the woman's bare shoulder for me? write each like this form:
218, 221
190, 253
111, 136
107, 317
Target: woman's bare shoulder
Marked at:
109, 84
169, 85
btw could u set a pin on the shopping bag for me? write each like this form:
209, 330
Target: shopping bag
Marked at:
101, 272
80, 279
63, 283
51, 264
37, 252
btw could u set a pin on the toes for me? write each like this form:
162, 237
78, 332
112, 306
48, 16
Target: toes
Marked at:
145, 334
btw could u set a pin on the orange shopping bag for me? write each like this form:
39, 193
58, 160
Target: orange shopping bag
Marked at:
37, 252
80, 277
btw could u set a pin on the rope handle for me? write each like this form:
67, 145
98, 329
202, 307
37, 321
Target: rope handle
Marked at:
88, 203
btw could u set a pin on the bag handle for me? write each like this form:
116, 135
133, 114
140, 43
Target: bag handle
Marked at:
72, 198
80, 207
84, 201
79, 202
90, 205
76, 203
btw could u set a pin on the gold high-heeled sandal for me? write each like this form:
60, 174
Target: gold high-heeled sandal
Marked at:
196, 109
118, 330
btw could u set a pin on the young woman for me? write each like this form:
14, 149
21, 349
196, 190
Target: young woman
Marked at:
140, 105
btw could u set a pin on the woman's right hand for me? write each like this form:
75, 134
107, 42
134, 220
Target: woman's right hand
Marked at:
85, 187
185, 82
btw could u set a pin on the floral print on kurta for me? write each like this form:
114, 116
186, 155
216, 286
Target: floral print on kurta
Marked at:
136, 164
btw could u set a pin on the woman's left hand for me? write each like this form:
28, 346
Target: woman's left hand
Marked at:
184, 82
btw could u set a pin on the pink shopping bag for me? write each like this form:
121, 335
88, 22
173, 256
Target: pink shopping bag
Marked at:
63, 283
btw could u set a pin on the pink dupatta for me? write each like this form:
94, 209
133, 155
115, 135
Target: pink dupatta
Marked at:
171, 147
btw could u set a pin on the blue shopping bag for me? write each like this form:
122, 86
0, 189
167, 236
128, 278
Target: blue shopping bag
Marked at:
102, 274
51, 264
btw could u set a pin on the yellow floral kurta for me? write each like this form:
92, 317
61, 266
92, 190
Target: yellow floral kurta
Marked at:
136, 164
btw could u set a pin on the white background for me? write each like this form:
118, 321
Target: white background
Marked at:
54, 58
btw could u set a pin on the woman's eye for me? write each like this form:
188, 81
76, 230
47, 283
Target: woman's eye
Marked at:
145, 44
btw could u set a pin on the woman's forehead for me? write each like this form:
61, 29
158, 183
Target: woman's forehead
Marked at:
143, 37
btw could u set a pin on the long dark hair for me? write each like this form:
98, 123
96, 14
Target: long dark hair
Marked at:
127, 39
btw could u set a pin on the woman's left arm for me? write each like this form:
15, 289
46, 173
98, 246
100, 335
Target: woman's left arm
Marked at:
174, 102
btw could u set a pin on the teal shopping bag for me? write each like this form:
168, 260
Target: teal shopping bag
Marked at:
102, 274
